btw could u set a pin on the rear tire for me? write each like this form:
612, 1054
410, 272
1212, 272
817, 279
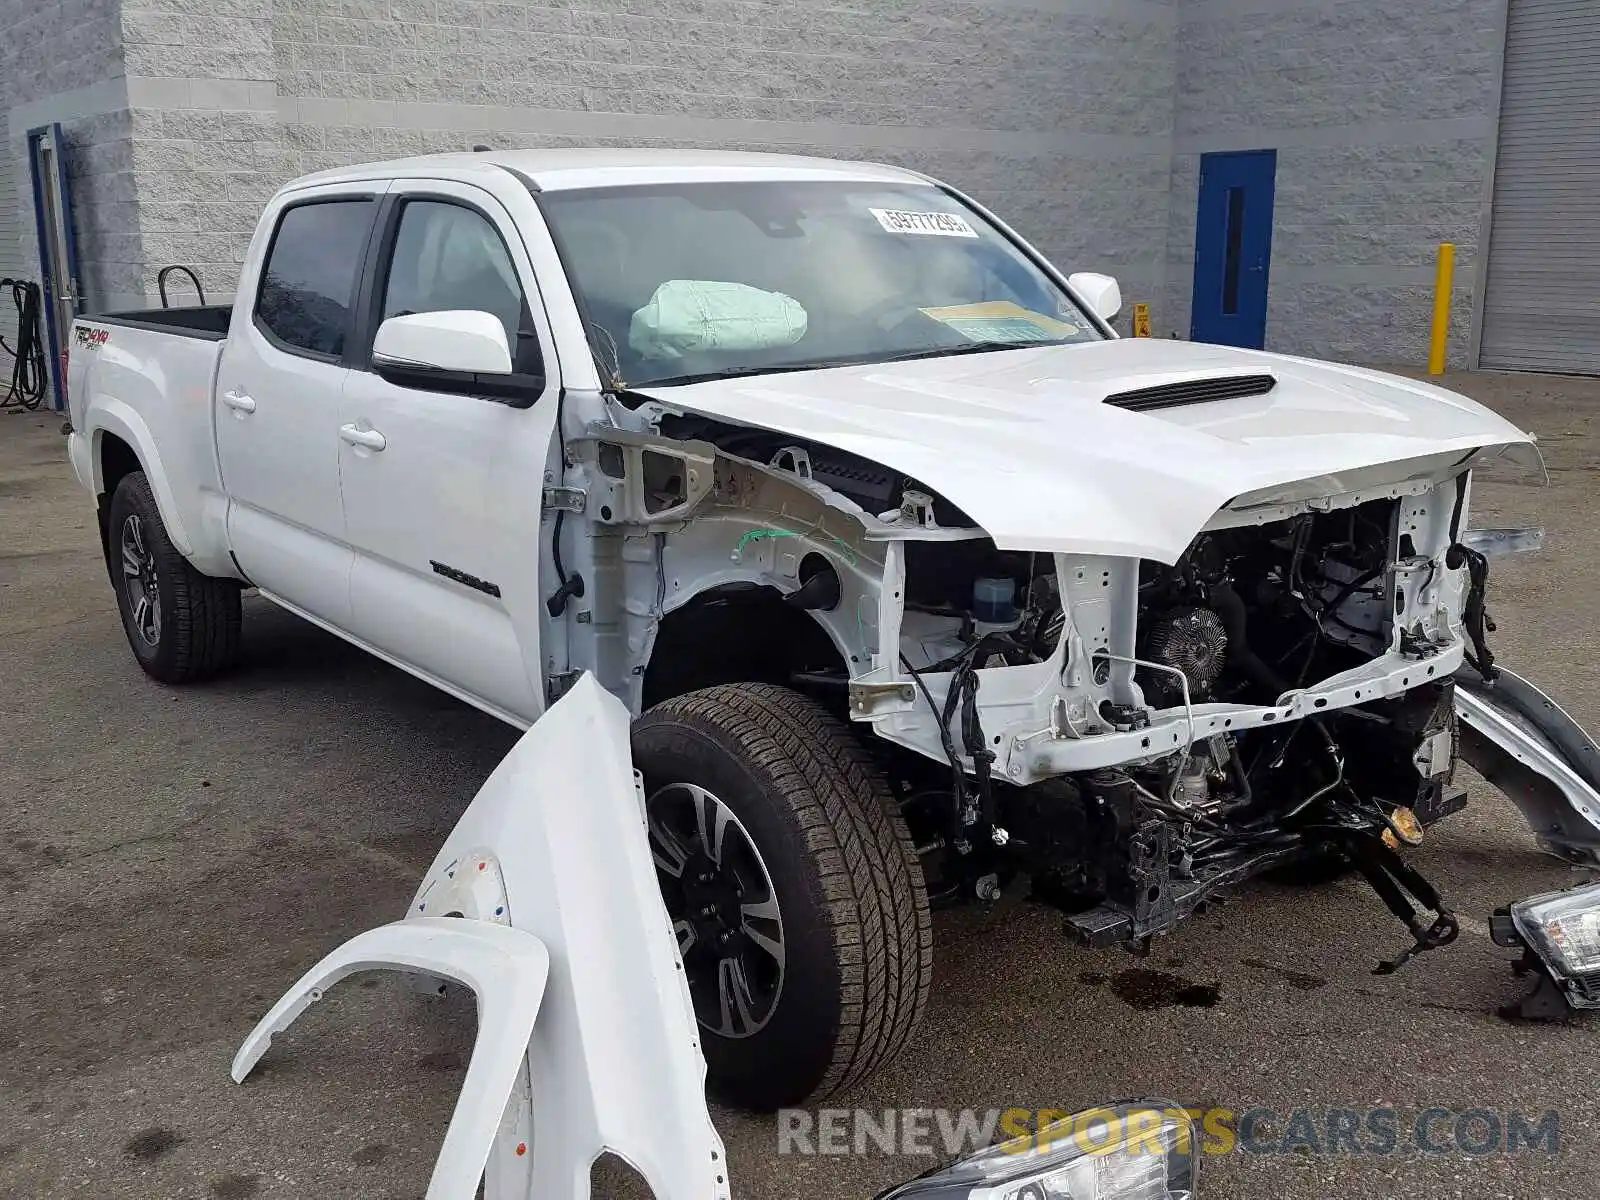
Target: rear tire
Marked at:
835, 949
182, 625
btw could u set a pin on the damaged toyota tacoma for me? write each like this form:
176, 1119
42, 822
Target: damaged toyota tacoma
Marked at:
918, 582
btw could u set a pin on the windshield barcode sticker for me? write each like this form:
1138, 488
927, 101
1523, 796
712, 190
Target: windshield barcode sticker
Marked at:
935, 224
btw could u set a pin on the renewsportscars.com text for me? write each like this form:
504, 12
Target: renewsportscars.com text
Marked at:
1475, 1132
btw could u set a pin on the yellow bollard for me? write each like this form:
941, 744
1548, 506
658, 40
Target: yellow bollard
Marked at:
1441, 308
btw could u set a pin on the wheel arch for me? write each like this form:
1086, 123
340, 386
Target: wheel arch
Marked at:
120, 444
742, 632
114, 459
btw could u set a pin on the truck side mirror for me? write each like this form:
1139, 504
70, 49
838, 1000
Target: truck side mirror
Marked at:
458, 340
455, 350
1101, 293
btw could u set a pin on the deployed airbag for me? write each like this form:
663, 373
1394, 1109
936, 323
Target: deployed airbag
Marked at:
688, 316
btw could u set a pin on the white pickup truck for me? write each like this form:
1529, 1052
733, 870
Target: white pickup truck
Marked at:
916, 579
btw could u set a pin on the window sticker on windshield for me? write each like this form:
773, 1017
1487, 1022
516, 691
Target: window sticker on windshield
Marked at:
1001, 321
933, 224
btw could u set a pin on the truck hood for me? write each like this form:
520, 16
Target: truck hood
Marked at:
1025, 444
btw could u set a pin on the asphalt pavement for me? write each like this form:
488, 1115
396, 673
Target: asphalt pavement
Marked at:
171, 859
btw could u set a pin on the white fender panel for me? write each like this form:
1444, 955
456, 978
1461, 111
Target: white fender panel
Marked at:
544, 902
506, 970
615, 1061
1525, 744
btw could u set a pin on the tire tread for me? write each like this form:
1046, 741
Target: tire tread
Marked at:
866, 863
206, 612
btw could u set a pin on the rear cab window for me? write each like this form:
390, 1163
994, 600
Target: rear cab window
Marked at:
308, 283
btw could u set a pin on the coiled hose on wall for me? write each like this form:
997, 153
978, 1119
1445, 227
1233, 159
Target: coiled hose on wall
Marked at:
27, 386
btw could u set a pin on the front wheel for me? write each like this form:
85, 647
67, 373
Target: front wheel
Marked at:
181, 624
793, 887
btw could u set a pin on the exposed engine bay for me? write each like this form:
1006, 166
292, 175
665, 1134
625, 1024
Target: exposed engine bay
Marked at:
1128, 735
1246, 616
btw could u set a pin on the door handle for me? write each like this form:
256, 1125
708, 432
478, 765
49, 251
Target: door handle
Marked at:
238, 401
370, 438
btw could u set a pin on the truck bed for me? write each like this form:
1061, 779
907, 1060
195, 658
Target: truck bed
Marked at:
208, 321
154, 395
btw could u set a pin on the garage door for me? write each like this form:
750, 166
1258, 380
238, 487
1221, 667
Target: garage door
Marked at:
1540, 311
11, 265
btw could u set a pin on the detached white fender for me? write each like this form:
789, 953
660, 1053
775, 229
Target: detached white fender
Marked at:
506, 970
554, 848
1525, 744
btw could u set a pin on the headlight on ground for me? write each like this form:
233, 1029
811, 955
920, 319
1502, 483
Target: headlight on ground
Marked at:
1564, 928
1560, 932
1125, 1152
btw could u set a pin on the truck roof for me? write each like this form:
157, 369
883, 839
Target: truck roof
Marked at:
565, 169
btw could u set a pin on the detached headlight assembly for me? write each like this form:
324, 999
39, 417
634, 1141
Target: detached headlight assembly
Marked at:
1141, 1151
1559, 933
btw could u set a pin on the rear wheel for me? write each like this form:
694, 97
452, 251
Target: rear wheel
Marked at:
181, 624
793, 887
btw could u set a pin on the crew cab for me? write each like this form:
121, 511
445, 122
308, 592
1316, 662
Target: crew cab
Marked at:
915, 578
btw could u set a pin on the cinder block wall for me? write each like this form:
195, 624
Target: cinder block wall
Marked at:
61, 62
208, 148
1058, 113
1080, 121
1384, 117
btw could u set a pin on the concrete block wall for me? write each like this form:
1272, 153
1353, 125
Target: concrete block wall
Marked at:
56, 46
61, 61
1081, 122
1057, 113
208, 147
111, 253
1384, 119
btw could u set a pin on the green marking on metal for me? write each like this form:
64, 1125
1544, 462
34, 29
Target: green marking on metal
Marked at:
756, 535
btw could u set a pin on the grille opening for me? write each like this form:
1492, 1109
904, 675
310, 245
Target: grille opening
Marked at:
1192, 391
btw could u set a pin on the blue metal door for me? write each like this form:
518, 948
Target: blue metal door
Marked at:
1233, 248
58, 248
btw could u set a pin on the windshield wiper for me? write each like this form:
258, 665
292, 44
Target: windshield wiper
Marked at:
741, 372
985, 347
825, 364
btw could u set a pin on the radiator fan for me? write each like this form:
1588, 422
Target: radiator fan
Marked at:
1190, 640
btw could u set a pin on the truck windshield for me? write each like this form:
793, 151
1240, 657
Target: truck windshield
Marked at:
685, 282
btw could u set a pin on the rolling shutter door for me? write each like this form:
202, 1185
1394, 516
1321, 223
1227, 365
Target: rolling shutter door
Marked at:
11, 265
1540, 309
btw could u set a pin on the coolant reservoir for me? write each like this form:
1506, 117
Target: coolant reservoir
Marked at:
994, 601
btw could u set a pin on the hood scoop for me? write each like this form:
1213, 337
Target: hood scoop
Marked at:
1192, 391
